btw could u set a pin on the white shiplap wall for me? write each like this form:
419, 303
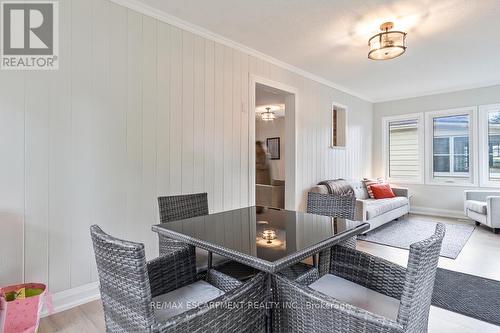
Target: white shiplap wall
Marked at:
139, 108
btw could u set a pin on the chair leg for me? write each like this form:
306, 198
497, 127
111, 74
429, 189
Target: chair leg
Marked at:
209, 261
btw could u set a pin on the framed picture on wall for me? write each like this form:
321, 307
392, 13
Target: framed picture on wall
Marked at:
273, 147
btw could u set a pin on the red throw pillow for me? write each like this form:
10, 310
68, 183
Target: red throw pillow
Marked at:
382, 191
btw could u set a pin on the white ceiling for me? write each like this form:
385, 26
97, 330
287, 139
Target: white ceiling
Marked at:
452, 44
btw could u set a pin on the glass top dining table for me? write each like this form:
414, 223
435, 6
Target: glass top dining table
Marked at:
264, 238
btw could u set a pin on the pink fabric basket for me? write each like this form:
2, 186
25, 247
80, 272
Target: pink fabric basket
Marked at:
23, 315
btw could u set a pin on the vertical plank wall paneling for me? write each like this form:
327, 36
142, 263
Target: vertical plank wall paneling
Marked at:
187, 112
176, 111
218, 144
133, 130
209, 137
227, 121
101, 137
82, 123
138, 109
36, 173
199, 115
60, 157
149, 147
12, 190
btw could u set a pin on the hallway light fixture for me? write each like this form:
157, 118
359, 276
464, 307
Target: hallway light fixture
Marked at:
387, 44
268, 115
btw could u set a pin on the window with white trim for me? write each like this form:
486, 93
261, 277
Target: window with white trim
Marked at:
450, 142
489, 131
403, 148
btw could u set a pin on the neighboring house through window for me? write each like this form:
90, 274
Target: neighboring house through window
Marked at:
451, 146
450, 153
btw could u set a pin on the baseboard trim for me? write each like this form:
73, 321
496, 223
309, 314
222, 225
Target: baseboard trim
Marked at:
67, 299
437, 212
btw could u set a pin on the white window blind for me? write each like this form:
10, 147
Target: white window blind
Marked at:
403, 142
404, 149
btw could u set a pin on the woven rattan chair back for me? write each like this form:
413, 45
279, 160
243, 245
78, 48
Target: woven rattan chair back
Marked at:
180, 207
331, 205
419, 282
124, 283
334, 206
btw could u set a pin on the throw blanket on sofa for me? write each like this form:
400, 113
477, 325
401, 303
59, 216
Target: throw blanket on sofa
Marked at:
339, 187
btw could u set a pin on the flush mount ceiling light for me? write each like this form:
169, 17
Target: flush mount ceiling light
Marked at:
387, 44
268, 115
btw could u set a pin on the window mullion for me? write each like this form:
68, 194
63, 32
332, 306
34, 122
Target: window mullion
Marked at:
452, 154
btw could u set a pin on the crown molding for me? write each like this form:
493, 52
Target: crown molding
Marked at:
438, 92
160, 15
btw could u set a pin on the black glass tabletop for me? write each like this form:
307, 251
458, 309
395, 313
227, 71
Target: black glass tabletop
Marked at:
265, 238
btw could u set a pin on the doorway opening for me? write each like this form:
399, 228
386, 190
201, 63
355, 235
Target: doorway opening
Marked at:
273, 144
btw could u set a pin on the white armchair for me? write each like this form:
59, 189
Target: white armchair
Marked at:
483, 207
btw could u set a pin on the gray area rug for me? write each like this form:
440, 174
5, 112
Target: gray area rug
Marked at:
470, 295
402, 233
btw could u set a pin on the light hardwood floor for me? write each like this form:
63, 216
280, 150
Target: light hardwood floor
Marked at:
480, 256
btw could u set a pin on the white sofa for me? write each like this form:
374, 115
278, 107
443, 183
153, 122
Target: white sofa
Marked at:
483, 207
375, 212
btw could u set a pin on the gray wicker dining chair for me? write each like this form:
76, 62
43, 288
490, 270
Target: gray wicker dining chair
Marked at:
180, 207
164, 295
333, 206
326, 205
185, 206
362, 293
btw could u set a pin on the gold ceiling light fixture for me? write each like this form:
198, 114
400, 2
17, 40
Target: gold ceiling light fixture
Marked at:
388, 44
268, 115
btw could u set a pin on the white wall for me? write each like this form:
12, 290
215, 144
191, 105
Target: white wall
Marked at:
273, 129
138, 109
436, 199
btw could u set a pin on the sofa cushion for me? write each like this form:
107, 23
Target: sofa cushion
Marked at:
359, 189
382, 191
479, 207
354, 294
369, 182
183, 299
378, 207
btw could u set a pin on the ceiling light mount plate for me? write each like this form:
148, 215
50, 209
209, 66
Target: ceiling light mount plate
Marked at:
386, 26
388, 44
